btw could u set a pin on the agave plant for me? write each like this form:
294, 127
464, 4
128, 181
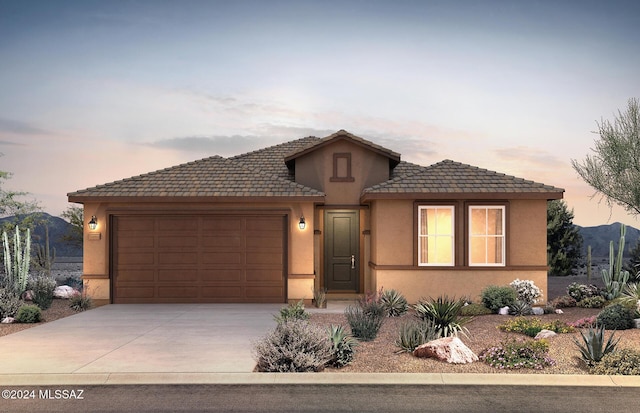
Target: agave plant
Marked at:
593, 347
414, 333
444, 313
520, 308
394, 303
342, 346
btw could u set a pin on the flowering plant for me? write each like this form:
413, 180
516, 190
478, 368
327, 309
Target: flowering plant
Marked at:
527, 291
518, 354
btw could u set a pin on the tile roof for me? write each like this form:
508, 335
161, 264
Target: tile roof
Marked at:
209, 177
453, 177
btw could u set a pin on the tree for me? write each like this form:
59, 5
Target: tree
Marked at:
11, 205
614, 168
75, 215
564, 242
633, 265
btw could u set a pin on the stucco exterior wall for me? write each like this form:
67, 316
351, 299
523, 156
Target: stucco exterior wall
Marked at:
420, 283
392, 231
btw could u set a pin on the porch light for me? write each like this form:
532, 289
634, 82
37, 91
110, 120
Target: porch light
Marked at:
93, 224
302, 224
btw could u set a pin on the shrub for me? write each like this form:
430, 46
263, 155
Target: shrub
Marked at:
592, 302
625, 361
584, 322
616, 317
473, 309
593, 347
29, 314
42, 287
365, 320
517, 354
531, 326
520, 308
393, 303
581, 291
414, 333
320, 297
9, 303
294, 346
526, 291
564, 301
80, 302
631, 295
494, 297
343, 346
294, 311
444, 313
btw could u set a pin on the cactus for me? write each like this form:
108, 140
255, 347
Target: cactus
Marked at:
589, 264
615, 278
16, 266
44, 257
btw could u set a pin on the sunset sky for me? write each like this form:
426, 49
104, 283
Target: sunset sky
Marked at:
96, 91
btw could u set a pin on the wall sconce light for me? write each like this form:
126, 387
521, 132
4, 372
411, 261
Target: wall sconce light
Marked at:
93, 224
302, 224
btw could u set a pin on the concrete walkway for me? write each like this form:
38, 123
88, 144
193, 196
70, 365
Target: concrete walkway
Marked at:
195, 344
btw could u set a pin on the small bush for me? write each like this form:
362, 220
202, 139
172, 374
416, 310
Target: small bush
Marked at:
517, 354
592, 302
294, 346
80, 302
581, 291
365, 320
394, 303
616, 317
520, 308
42, 287
294, 311
444, 313
494, 297
625, 361
593, 347
474, 309
526, 291
414, 333
564, 301
531, 326
29, 314
9, 303
584, 322
343, 346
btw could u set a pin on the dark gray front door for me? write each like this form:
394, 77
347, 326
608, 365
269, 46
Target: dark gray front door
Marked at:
341, 252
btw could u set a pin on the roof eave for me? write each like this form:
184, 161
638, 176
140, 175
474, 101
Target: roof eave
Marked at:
371, 196
81, 199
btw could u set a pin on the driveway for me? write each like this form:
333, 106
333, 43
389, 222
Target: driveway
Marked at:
142, 338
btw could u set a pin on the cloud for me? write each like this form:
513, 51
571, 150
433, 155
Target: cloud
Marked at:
9, 143
533, 156
210, 145
20, 128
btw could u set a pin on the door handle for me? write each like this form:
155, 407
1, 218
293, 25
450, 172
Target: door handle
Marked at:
353, 262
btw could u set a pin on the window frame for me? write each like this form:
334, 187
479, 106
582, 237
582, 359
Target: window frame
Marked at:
502, 237
420, 236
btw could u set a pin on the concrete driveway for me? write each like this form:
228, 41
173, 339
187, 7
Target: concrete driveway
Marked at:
142, 338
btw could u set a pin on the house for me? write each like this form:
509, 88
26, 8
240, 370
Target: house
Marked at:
338, 213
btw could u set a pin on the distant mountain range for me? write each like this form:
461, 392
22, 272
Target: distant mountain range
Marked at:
600, 236
58, 227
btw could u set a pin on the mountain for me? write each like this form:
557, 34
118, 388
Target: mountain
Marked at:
58, 227
600, 236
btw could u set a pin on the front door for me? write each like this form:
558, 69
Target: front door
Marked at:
341, 252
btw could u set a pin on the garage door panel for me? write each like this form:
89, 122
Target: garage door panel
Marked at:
198, 258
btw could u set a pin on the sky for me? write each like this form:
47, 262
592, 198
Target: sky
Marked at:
96, 91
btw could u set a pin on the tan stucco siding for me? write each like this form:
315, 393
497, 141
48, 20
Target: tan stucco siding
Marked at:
392, 232
419, 283
527, 232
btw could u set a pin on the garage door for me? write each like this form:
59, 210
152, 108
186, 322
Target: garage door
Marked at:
198, 259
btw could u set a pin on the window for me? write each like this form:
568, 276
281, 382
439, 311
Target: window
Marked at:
486, 235
435, 235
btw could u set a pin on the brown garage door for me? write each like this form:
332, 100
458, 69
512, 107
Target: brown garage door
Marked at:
198, 259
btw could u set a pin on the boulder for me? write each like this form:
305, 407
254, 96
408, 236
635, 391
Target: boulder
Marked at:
449, 349
504, 310
537, 310
559, 311
64, 291
27, 295
8, 320
545, 334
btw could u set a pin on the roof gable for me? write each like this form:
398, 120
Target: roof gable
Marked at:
394, 158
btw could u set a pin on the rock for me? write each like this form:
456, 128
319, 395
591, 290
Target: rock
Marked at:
537, 310
64, 291
504, 311
636, 322
545, 334
559, 311
449, 349
27, 295
8, 320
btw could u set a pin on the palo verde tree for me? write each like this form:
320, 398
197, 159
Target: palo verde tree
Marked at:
11, 205
75, 215
564, 242
614, 168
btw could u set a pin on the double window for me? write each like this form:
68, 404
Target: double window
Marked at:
485, 233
